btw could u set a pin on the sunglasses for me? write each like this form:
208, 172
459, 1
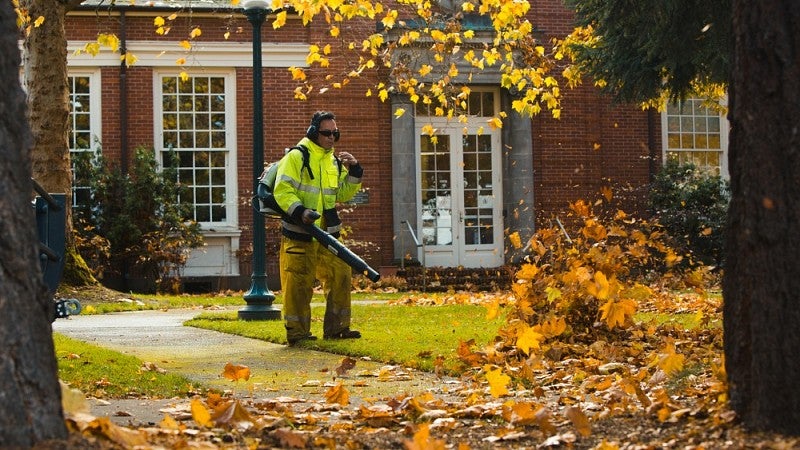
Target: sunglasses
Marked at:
329, 133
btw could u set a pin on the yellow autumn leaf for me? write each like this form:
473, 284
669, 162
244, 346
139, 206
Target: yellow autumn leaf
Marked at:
298, 73
600, 288
579, 420
200, 414
493, 309
399, 112
180, 61
109, 40
185, 44
280, 20
529, 339
184, 76
235, 372
498, 381
168, 423
425, 69
551, 328
616, 313
495, 123
515, 240
669, 360
606, 192
527, 272
338, 394
334, 31
423, 440
159, 21
195, 33
130, 59
92, 48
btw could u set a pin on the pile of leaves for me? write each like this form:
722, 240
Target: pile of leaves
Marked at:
574, 367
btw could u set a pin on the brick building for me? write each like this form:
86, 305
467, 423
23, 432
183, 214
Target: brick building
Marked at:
457, 196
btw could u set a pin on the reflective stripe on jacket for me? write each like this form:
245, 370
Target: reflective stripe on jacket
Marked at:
295, 191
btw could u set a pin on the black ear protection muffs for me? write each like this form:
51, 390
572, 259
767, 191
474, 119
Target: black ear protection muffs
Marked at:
313, 130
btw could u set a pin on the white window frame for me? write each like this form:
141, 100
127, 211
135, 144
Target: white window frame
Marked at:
95, 114
231, 189
457, 252
724, 131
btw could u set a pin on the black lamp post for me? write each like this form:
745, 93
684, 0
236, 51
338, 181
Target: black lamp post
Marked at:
259, 298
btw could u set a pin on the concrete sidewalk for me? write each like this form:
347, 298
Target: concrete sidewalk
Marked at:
200, 355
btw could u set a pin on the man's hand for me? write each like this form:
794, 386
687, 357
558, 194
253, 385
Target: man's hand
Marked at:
310, 216
347, 159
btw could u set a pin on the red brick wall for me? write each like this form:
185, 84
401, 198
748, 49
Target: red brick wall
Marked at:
595, 143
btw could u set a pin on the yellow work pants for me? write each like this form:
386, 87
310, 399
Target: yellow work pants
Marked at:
302, 263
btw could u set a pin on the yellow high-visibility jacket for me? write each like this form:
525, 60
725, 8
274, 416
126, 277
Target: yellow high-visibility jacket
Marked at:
295, 190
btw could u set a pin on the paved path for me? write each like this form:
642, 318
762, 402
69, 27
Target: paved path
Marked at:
201, 355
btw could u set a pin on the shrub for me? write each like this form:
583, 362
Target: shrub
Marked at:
692, 205
132, 225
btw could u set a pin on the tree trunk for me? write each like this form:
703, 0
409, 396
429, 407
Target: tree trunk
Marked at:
45, 74
30, 410
762, 279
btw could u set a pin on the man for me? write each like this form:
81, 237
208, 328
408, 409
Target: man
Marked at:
309, 195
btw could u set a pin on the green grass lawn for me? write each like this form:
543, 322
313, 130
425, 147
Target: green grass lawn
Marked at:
143, 302
412, 336
102, 373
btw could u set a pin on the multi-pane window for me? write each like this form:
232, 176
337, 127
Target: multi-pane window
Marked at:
435, 188
84, 131
195, 125
695, 133
478, 194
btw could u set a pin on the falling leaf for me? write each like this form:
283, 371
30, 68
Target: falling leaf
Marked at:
616, 313
669, 360
200, 414
498, 382
236, 372
168, 423
579, 420
338, 394
606, 192
515, 240
121, 435
399, 112
233, 413
529, 339
346, 364
423, 440
72, 400
291, 439
600, 288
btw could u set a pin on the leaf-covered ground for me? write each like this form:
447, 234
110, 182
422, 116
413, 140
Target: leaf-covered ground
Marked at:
660, 386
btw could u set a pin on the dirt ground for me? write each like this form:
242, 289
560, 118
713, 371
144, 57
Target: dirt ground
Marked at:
475, 422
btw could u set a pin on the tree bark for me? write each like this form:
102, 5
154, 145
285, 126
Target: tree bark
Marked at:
762, 279
30, 410
45, 75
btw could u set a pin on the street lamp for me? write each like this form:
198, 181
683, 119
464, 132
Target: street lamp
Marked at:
259, 298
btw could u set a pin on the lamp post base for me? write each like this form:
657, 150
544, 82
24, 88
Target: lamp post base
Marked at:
259, 312
259, 302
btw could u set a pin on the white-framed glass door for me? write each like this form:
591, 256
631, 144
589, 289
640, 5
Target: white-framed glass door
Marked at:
460, 192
